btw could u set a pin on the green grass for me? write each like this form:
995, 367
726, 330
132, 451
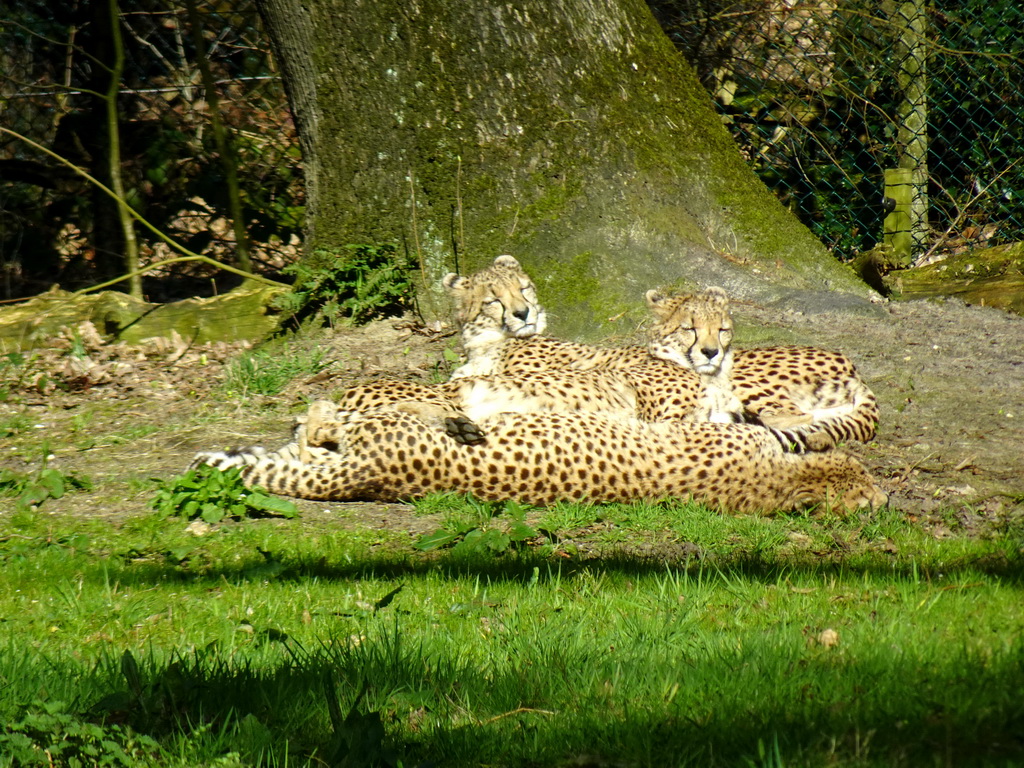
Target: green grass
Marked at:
269, 371
14, 424
271, 642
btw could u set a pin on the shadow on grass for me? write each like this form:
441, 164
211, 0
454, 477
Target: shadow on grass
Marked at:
543, 697
526, 566
386, 701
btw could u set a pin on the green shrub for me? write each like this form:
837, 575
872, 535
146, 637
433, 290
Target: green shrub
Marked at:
212, 495
474, 532
33, 488
356, 283
46, 734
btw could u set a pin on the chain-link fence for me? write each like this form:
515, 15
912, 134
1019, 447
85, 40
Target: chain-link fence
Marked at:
875, 121
55, 65
895, 122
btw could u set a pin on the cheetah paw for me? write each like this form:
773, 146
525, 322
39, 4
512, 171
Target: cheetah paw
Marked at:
866, 497
463, 430
783, 418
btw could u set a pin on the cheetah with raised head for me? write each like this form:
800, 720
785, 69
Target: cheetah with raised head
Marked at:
813, 394
541, 458
491, 306
502, 324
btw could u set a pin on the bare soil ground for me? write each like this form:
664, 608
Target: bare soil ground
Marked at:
950, 383
950, 380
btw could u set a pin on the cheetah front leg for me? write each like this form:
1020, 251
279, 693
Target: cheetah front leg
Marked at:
718, 404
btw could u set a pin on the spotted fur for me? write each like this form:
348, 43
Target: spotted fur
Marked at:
649, 388
541, 458
813, 396
493, 305
474, 399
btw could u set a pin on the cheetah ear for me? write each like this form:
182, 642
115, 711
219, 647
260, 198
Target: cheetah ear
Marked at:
655, 302
719, 295
508, 261
454, 283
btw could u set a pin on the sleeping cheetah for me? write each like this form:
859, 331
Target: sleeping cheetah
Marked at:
814, 392
540, 458
491, 306
502, 324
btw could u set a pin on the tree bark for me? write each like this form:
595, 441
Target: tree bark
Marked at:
569, 133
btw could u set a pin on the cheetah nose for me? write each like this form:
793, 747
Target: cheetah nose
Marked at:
709, 352
522, 314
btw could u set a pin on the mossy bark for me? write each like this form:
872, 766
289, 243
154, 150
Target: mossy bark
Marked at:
570, 134
241, 314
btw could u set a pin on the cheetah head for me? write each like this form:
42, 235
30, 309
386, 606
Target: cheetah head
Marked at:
693, 330
499, 301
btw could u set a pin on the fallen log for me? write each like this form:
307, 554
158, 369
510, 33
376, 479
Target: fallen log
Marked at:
991, 277
241, 314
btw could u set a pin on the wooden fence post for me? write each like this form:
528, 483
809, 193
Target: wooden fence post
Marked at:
897, 229
911, 51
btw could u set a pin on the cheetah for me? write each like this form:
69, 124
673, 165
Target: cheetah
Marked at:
815, 394
656, 392
491, 306
502, 325
459, 406
542, 458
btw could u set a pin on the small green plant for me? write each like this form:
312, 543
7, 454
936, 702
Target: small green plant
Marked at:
571, 515
47, 734
474, 533
10, 362
768, 756
443, 368
14, 424
211, 494
262, 373
14, 371
78, 349
358, 282
33, 488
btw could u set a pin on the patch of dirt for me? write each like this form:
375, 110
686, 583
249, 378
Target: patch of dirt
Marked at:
124, 416
950, 384
949, 378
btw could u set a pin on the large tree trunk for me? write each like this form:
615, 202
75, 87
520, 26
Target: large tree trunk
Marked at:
569, 133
